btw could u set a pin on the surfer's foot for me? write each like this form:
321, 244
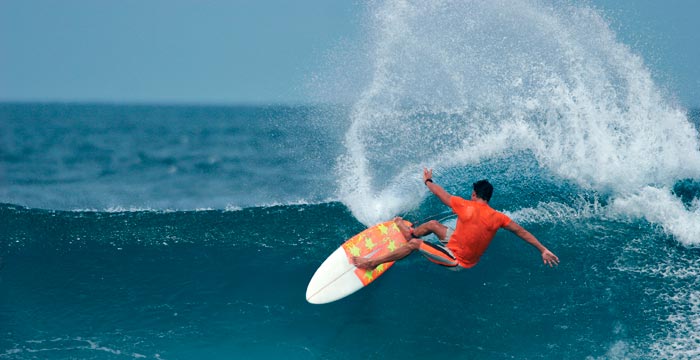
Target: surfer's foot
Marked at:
362, 263
405, 230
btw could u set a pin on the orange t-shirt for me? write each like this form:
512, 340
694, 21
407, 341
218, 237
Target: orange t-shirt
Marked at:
477, 224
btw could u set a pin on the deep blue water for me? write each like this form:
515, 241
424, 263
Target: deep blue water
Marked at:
191, 232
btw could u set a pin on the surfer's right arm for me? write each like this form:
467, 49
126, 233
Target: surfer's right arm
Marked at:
436, 189
547, 256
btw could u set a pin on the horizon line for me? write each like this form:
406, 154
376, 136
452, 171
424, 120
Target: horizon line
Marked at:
241, 104
166, 103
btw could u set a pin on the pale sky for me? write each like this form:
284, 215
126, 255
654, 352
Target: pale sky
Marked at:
249, 52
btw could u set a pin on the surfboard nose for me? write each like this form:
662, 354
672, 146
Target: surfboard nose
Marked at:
337, 277
332, 280
310, 295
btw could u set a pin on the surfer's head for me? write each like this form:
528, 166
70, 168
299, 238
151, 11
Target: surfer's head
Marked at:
483, 190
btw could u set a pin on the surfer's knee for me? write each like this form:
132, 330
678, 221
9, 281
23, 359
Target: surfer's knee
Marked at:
414, 244
403, 228
435, 226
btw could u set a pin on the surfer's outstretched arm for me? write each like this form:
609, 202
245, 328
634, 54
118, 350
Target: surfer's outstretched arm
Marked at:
547, 256
434, 188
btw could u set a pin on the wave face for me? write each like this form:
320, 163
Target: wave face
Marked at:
231, 284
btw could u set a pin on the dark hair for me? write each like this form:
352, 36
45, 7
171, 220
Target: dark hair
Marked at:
483, 189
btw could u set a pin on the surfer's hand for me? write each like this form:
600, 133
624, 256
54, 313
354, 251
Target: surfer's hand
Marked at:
362, 263
427, 174
549, 258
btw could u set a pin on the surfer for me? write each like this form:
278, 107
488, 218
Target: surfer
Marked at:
477, 224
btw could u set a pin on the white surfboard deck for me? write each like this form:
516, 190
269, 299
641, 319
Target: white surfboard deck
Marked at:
337, 277
334, 279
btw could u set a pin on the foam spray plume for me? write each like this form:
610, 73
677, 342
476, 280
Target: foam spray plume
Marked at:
455, 83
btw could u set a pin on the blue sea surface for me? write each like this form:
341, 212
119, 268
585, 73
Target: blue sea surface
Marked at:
191, 232
81, 156
228, 282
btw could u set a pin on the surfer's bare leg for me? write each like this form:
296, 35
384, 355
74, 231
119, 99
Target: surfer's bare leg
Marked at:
412, 243
431, 227
398, 254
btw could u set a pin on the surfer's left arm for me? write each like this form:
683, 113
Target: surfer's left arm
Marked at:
547, 256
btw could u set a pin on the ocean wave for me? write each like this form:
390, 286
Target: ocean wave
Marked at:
453, 85
285, 227
660, 206
228, 207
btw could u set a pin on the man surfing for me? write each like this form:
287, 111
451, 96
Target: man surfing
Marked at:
461, 247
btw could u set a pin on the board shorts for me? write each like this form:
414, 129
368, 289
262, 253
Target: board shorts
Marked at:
439, 253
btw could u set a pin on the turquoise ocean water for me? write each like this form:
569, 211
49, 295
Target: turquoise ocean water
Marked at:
191, 232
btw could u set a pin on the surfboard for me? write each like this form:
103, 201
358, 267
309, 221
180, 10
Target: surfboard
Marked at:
337, 277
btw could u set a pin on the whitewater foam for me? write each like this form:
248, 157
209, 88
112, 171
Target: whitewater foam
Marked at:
659, 206
227, 208
682, 342
557, 212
